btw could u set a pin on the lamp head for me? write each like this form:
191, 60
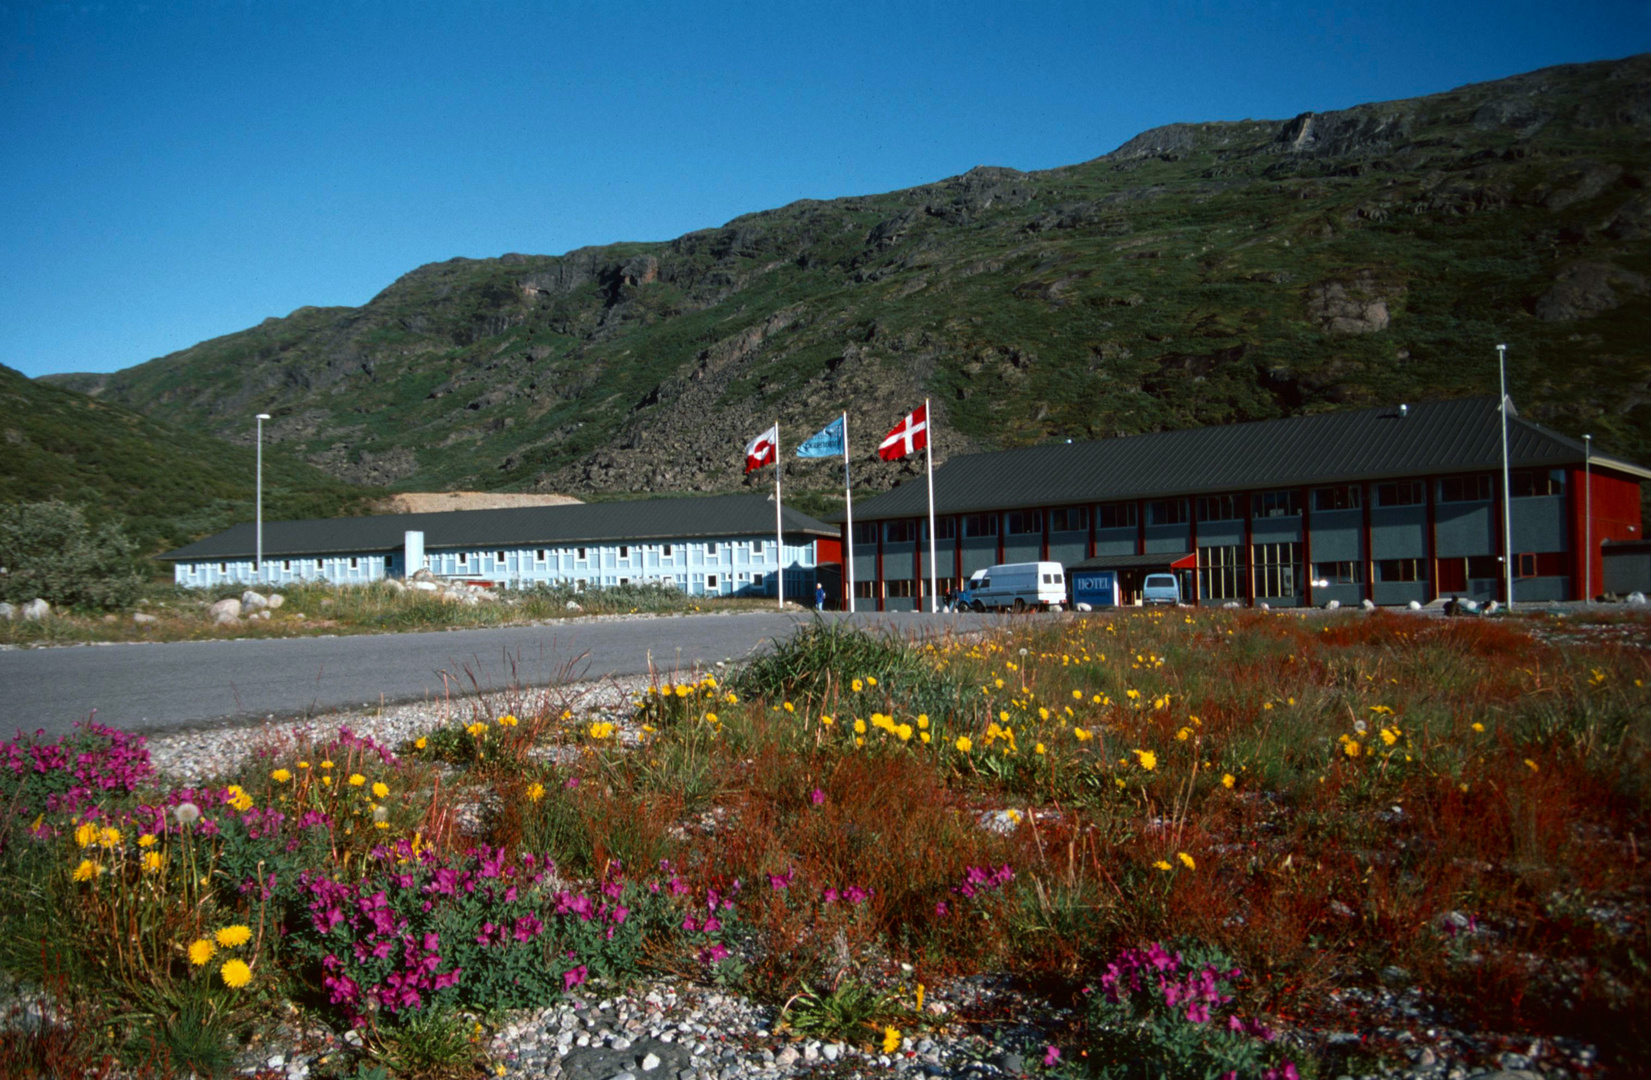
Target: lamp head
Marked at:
263, 416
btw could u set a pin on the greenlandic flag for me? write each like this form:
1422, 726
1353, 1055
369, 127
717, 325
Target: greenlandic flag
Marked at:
828, 442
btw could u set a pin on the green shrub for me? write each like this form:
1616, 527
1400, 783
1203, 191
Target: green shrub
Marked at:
49, 551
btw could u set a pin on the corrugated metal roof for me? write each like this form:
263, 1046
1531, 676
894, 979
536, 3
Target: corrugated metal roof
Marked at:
636, 521
1462, 435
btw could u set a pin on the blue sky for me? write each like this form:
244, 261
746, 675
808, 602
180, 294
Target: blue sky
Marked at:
172, 171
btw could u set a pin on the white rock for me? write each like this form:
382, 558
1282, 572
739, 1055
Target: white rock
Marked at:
1368, 605
1332, 605
276, 600
230, 607
264, 614
832, 1051
650, 1062
572, 606
1264, 606
7, 611
1636, 598
36, 609
1233, 604
276, 1061
1083, 607
423, 586
143, 618
1414, 605
252, 601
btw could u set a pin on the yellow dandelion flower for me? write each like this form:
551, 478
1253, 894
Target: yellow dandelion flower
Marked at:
965, 744
1478, 726
1228, 780
147, 840
1038, 748
857, 686
326, 764
87, 870
108, 837
281, 776
356, 779
904, 731
238, 798
871, 680
1532, 765
1186, 860
924, 736
922, 721
535, 791
1077, 695
827, 721
1183, 735
150, 862
231, 937
420, 743
1389, 736
507, 720
235, 974
1162, 865
788, 707
476, 730
602, 729
891, 1040
1350, 748
303, 764
380, 790
201, 951
86, 835
1147, 758
859, 726
326, 781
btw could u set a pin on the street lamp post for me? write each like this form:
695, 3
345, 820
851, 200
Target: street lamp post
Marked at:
1587, 518
258, 567
1507, 487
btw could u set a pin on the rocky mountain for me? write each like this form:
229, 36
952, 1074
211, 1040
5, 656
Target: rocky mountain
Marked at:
163, 485
1200, 273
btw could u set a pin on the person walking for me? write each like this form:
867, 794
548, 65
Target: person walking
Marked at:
819, 596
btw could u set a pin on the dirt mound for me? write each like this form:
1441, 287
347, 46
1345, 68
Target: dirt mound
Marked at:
427, 502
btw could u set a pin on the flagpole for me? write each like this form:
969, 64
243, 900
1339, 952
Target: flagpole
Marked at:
779, 532
848, 494
928, 450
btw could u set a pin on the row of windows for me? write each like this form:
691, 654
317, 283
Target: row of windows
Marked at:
1222, 573
1527, 483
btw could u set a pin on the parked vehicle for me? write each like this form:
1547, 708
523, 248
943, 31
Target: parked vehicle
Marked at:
1016, 586
1160, 589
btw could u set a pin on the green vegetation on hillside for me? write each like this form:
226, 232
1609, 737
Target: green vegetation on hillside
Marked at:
163, 485
1201, 273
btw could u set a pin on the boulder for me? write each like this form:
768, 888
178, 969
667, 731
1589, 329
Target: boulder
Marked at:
224, 610
1368, 605
36, 609
251, 601
1414, 605
1232, 605
7, 611
395, 585
1635, 599
276, 600
1083, 607
1264, 606
143, 618
1332, 605
423, 585
264, 614
571, 606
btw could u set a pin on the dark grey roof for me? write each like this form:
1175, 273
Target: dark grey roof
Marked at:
636, 521
1462, 435
1162, 560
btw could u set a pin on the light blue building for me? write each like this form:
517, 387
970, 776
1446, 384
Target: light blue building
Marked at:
716, 546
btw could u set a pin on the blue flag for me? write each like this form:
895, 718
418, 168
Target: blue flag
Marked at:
827, 443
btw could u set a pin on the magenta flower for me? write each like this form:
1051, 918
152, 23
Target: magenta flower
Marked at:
817, 797
1051, 1055
573, 977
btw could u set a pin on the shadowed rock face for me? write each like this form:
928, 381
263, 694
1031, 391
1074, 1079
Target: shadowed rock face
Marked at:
1199, 273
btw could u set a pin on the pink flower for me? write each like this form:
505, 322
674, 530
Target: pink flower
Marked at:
573, 977
1051, 1055
817, 797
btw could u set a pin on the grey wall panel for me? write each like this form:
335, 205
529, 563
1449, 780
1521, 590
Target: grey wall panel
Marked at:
1276, 530
1398, 532
1168, 538
1220, 533
1069, 550
1539, 524
1465, 529
1338, 537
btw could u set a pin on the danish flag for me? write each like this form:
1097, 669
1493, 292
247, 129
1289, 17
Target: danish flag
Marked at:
763, 450
909, 436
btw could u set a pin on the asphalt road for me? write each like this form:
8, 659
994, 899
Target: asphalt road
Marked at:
164, 687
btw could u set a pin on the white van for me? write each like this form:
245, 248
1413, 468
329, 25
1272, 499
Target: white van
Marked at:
1016, 586
1160, 589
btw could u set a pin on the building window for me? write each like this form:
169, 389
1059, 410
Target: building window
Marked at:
539, 556
1529, 483
1400, 570
1221, 508
899, 532
355, 562
1023, 522
1069, 519
865, 533
1221, 572
223, 568
710, 549
945, 528
286, 564
710, 581
865, 590
1271, 504
1340, 497
1167, 512
1525, 564
1484, 567
579, 584
464, 558
1115, 516
579, 553
498, 558
666, 551
1339, 573
900, 588
1276, 566
980, 525
319, 566
1400, 493
1454, 489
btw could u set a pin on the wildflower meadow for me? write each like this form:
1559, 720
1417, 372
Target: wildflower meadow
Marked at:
1192, 833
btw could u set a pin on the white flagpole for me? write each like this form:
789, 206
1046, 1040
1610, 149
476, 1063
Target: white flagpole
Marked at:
848, 494
928, 449
779, 532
